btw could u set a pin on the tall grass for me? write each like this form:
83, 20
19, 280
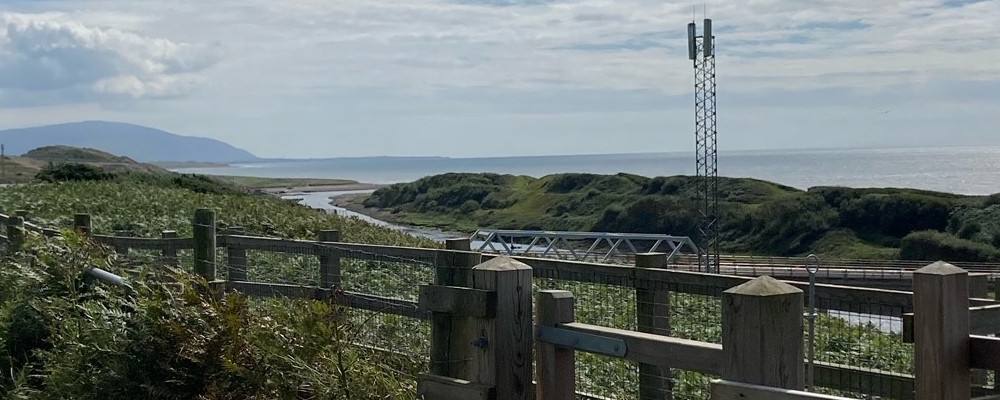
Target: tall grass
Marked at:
170, 337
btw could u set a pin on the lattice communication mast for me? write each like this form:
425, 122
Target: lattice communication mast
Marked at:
701, 50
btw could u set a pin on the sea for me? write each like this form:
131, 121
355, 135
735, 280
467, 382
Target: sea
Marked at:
963, 170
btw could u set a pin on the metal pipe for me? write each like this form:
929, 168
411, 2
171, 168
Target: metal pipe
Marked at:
102, 275
811, 317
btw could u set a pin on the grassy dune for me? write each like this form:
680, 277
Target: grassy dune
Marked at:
757, 217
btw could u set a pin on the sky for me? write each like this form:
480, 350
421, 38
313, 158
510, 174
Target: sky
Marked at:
468, 78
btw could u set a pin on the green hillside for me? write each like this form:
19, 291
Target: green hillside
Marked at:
73, 154
64, 338
24, 168
757, 217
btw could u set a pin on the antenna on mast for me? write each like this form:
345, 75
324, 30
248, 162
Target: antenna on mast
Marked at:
701, 51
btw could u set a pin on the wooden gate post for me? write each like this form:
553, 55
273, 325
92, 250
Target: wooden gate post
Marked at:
941, 332
762, 334
329, 265
653, 316
236, 257
453, 268
502, 356
82, 224
204, 243
556, 365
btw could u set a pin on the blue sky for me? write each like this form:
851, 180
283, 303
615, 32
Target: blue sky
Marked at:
325, 78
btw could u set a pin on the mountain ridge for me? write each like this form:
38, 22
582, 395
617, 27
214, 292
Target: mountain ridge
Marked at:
138, 142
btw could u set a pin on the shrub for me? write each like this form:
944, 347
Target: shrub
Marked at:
933, 245
992, 199
788, 225
469, 207
895, 214
969, 230
195, 183
651, 214
72, 172
565, 183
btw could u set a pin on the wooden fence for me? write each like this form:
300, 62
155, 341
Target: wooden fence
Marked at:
466, 305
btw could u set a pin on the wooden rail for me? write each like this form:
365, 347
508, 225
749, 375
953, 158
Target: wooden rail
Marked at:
161, 244
644, 347
892, 303
725, 390
342, 250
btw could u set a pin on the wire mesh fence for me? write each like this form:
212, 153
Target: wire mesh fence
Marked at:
616, 303
867, 337
613, 305
395, 279
695, 313
859, 339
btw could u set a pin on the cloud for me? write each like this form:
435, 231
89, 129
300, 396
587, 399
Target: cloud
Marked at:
531, 45
53, 54
387, 70
525, 45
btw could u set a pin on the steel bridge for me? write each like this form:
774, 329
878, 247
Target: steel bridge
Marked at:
580, 246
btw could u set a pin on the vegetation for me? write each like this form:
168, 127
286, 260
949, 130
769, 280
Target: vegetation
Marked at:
69, 154
45, 160
265, 183
169, 338
756, 216
934, 245
72, 172
147, 204
68, 339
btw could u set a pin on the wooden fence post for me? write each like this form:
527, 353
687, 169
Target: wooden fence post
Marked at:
762, 334
453, 268
236, 257
941, 332
463, 244
204, 243
329, 265
556, 365
169, 255
82, 224
21, 213
15, 233
503, 355
653, 316
461, 263
120, 247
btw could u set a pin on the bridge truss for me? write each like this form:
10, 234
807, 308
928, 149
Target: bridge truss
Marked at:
580, 246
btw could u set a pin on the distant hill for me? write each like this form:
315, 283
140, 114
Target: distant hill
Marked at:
23, 169
139, 143
68, 154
